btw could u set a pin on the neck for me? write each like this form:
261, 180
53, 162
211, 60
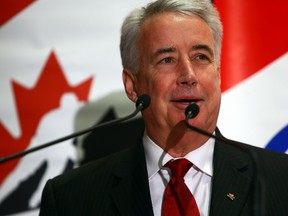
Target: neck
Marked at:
180, 141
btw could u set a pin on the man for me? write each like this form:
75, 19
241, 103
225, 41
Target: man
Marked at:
171, 51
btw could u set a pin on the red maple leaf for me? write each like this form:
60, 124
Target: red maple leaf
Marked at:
9, 8
33, 103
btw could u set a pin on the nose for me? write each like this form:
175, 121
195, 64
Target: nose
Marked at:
186, 75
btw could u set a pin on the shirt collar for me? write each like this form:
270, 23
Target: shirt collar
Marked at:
156, 157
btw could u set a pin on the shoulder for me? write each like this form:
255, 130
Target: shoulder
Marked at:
271, 156
269, 161
95, 171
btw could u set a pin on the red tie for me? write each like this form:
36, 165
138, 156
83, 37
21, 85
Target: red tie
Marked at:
178, 200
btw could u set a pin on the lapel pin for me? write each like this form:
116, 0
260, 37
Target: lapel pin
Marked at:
231, 196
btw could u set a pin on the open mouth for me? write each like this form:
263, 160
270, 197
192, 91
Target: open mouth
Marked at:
186, 101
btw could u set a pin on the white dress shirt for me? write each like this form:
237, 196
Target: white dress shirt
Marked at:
198, 179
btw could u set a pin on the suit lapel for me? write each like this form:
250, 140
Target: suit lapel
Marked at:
131, 193
230, 185
231, 180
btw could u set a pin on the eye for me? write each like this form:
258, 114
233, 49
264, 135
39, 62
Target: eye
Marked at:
202, 57
166, 60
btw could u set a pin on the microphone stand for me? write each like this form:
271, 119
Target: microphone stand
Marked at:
142, 103
258, 186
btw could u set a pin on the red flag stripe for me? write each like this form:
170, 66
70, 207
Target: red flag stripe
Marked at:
255, 34
9, 8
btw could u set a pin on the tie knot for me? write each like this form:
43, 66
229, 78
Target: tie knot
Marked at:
179, 167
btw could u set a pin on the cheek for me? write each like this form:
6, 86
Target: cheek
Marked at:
155, 84
143, 84
213, 92
210, 82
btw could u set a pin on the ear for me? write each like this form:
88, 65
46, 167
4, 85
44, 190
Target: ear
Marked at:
130, 83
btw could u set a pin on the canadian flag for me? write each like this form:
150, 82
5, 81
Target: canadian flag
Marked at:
254, 70
55, 56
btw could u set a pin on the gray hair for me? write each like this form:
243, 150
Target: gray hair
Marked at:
133, 22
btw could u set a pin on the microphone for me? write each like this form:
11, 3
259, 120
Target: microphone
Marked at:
142, 103
192, 111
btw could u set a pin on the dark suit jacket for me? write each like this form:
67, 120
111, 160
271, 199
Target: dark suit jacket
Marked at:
118, 185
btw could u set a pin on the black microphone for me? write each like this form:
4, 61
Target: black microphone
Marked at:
192, 111
142, 103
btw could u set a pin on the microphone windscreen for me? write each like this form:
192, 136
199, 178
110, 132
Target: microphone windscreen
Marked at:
192, 110
144, 101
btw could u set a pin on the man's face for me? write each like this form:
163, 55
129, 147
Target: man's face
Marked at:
177, 67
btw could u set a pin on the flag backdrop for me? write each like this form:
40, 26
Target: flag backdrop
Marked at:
57, 56
255, 72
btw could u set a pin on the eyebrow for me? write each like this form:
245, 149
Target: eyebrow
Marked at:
164, 50
203, 47
173, 49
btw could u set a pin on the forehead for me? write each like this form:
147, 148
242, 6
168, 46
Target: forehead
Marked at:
169, 28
